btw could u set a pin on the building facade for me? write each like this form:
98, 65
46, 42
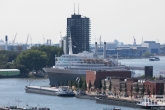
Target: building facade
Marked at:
152, 47
95, 77
78, 28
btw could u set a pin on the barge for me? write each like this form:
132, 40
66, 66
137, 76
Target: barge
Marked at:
60, 91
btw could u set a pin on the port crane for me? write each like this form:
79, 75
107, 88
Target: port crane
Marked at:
27, 41
134, 41
13, 42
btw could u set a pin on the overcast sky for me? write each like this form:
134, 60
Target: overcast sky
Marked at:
110, 19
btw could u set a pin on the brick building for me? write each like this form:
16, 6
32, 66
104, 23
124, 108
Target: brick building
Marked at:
117, 85
154, 87
95, 77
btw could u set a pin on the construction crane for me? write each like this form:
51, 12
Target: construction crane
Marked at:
13, 42
27, 40
134, 41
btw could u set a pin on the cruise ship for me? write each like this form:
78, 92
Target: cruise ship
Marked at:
70, 66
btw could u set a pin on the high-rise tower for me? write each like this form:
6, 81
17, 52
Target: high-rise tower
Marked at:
78, 27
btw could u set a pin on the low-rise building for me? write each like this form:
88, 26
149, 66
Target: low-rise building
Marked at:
155, 87
95, 77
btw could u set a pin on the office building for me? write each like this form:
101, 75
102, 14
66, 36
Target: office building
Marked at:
78, 27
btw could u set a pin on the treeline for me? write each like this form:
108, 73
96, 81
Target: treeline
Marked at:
79, 83
33, 59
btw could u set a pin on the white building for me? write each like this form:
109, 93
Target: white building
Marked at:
152, 47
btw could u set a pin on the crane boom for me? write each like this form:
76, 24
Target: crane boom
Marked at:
27, 39
14, 39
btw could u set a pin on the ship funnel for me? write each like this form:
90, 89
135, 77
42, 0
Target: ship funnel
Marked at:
95, 48
104, 51
70, 46
6, 41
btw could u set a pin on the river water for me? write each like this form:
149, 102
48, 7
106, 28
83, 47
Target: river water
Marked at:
12, 91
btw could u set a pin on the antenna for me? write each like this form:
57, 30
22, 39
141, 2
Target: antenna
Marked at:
78, 8
74, 8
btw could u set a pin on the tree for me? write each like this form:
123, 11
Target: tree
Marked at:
84, 85
110, 85
143, 90
71, 83
137, 88
120, 89
131, 90
104, 86
89, 85
50, 51
95, 84
114, 90
75, 84
161, 90
125, 88
32, 59
160, 77
153, 91
148, 91
147, 54
80, 83
100, 85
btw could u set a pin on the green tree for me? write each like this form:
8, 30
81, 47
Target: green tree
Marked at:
95, 84
153, 91
84, 85
161, 89
110, 85
120, 89
32, 59
51, 51
125, 88
137, 88
100, 85
69, 83
114, 90
89, 85
80, 82
104, 86
147, 54
148, 91
131, 90
75, 84
143, 90
7, 61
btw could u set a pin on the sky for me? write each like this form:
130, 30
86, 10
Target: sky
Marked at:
110, 19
